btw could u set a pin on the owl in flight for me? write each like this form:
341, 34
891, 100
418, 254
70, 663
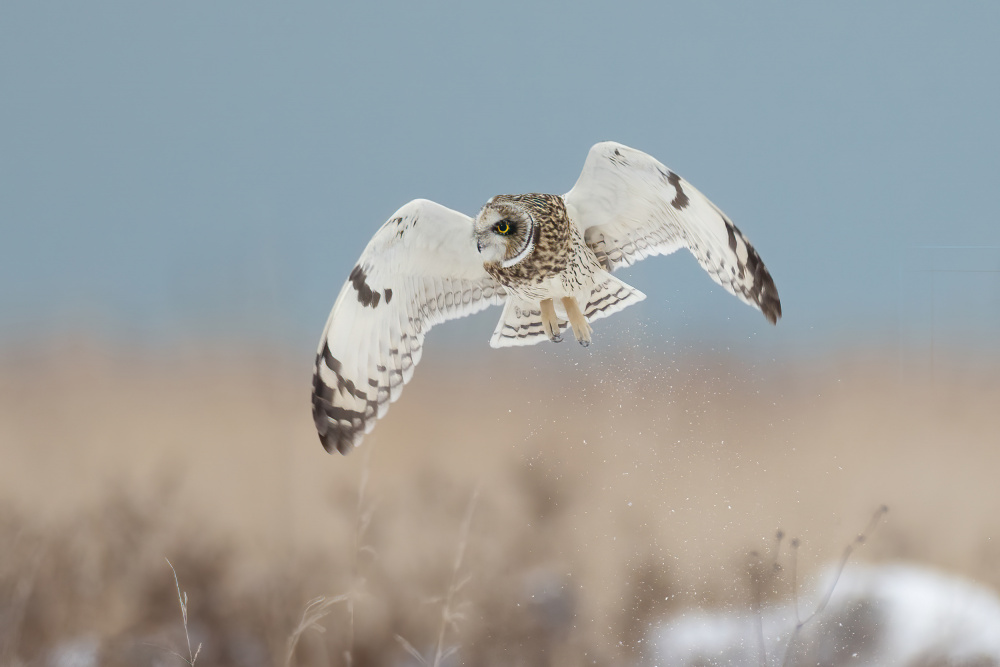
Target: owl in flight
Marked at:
546, 258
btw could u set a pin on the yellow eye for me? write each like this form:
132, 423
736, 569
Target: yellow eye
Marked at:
503, 227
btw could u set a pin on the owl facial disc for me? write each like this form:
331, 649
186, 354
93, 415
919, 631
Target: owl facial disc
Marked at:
505, 233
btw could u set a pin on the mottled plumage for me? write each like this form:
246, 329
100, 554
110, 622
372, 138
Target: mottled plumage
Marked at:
547, 258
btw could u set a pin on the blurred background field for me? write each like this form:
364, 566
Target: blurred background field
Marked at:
617, 486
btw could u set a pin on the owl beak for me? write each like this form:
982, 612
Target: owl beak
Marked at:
479, 245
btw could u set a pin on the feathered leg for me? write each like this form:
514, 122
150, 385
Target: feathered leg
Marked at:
581, 327
550, 322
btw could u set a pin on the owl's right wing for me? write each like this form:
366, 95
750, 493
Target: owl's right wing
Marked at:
421, 268
629, 206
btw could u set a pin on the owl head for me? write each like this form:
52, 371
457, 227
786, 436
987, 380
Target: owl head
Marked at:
505, 231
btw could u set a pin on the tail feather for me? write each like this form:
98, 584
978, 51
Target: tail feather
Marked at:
520, 324
609, 297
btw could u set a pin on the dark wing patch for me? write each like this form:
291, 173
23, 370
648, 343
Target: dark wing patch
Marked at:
360, 283
680, 200
340, 427
366, 295
337, 426
763, 292
731, 229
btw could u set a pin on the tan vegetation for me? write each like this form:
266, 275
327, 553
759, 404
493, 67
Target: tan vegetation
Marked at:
615, 486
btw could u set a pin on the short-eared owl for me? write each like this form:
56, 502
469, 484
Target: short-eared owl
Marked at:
547, 259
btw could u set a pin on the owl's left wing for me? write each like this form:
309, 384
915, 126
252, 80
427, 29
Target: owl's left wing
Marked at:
629, 206
420, 268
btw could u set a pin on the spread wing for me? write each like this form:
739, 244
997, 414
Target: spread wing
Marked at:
420, 268
629, 206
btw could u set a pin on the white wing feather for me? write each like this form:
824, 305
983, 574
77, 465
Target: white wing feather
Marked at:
420, 268
629, 206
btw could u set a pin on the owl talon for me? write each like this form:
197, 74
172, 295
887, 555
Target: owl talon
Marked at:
584, 343
556, 339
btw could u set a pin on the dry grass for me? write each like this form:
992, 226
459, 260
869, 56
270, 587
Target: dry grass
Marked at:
605, 503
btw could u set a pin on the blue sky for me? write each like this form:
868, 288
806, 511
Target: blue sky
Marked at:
188, 170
